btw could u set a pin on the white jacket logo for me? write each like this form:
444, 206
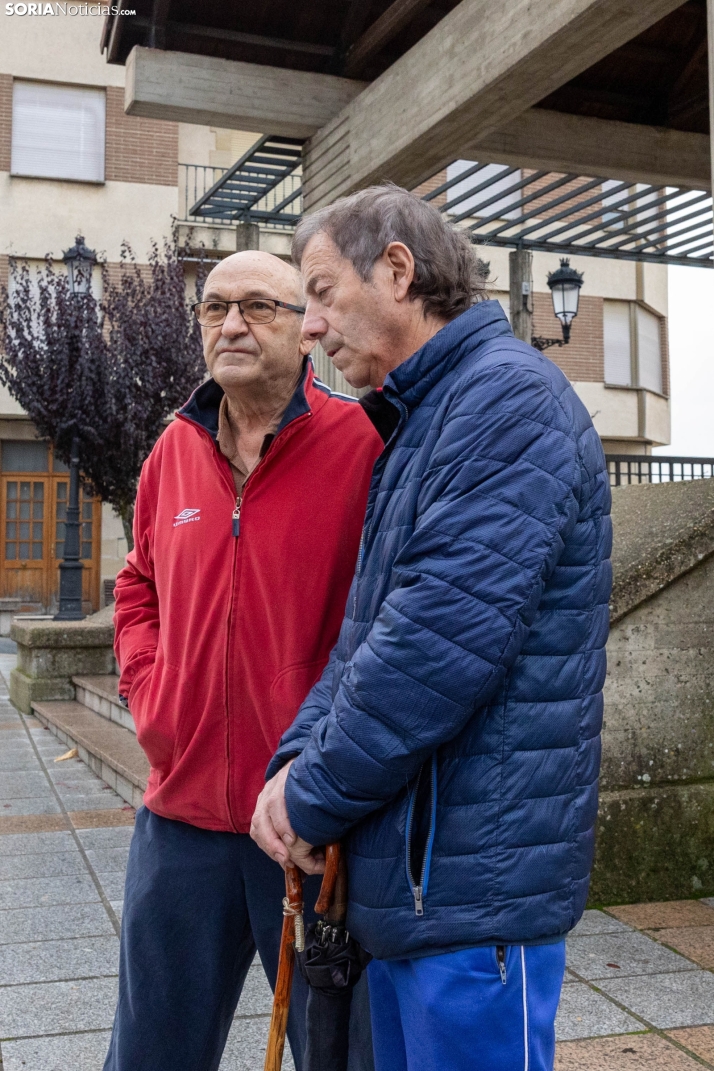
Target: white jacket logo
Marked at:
186, 516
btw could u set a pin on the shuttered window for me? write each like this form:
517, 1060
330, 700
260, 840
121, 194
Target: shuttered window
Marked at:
618, 344
58, 131
649, 351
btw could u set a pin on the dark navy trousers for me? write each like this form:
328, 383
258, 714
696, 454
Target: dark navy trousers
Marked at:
197, 904
467, 1011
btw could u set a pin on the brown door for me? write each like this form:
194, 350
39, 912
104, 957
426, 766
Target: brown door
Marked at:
34, 509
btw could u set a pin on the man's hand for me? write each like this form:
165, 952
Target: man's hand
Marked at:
271, 829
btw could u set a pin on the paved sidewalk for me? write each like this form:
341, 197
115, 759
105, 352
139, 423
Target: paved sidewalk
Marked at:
64, 842
639, 992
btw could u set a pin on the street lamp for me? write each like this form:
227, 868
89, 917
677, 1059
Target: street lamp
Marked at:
564, 285
79, 261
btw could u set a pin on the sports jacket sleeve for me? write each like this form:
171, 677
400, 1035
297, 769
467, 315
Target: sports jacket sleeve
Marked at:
500, 492
136, 615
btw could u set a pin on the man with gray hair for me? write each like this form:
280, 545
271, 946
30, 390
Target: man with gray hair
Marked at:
453, 738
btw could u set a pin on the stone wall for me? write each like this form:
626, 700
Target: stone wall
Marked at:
656, 824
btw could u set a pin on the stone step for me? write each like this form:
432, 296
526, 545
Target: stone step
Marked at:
112, 752
101, 695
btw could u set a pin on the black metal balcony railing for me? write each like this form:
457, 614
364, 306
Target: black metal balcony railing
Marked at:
195, 181
647, 468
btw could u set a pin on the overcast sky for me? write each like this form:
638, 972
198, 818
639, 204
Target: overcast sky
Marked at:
691, 355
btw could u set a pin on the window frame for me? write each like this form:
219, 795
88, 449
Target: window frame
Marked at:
635, 383
59, 178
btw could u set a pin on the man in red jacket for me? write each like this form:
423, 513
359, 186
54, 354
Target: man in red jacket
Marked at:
248, 520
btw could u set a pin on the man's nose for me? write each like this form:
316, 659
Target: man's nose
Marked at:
314, 324
234, 324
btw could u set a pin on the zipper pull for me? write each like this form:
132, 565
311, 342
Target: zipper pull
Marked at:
501, 958
418, 900
236, 516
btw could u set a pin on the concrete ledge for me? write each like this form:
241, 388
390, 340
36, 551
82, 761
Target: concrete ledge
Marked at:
110, 751
96, 630
25, 690
654, 843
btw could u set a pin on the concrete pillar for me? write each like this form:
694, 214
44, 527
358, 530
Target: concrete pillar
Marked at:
247, 236
520, 270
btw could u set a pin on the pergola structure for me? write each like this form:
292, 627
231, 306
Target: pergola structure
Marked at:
397, 89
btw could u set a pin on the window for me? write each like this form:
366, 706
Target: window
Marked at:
633, 350
486, 202
58, 131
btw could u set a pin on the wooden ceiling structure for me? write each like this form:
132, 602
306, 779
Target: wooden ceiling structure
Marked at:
397, 89
658, 78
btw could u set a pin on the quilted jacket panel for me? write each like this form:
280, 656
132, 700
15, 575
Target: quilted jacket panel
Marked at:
471, 657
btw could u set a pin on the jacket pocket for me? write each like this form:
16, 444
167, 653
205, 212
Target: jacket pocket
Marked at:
421, 819
155, 705
288, 691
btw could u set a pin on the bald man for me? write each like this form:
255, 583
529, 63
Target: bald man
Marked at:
247, 525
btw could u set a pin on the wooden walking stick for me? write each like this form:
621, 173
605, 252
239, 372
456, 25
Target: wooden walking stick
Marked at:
293, 937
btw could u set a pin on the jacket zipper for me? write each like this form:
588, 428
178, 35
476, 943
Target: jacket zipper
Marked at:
236, 516
419, 889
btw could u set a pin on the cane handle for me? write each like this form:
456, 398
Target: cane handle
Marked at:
329, 878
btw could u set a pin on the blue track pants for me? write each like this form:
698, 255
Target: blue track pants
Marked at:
196, 906
454, 1012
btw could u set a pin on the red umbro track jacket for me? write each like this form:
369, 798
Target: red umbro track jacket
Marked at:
220, 637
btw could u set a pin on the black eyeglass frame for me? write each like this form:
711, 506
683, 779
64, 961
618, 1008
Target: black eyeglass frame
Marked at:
240, 303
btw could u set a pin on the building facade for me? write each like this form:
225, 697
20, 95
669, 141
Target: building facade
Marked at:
72, 162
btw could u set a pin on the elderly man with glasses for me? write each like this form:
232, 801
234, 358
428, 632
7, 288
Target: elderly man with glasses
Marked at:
247, 527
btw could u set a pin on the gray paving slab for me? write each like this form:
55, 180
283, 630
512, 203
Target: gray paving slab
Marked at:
53, 923
73, 1052
113, 837
113, 885
21, 763
245, 1047
684, 998
40, 865
57, 1007
51, 961
36, 892
35, 805
118, 907
583, 1013
22, 784
108, 860
257, 996
594, 921
29, 843
617, 955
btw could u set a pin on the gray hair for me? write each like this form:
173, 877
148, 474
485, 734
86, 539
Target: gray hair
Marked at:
448, 276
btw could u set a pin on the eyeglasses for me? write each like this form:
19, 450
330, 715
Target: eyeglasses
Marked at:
253, 310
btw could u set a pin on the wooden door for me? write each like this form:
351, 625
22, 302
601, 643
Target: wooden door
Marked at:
34, 511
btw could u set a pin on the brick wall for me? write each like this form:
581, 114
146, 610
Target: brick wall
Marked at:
5, 121
139, 150
4, 269
583, 358
432, 184
664, 336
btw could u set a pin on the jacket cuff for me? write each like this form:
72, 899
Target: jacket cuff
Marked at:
312, 824
281, 756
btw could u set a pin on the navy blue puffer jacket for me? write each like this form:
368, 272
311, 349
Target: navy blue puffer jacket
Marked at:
453, 738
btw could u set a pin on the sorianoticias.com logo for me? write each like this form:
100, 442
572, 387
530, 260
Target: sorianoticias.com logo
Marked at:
66, 9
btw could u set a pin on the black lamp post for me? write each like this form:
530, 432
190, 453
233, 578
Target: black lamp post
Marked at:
564, 285
79, 261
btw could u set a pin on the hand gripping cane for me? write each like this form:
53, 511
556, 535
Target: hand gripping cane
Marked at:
293, 937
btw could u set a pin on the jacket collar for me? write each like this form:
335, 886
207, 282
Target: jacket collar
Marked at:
203, 405
412, 380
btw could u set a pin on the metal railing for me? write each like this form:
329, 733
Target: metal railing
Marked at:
195, 180
648, 468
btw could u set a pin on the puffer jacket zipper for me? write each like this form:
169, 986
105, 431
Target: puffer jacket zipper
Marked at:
419, 888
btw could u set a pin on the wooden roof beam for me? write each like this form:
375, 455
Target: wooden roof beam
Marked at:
481, 66
579, 144
395, 19
209, 91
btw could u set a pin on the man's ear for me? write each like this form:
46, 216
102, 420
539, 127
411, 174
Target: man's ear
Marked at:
307, 345
399, 261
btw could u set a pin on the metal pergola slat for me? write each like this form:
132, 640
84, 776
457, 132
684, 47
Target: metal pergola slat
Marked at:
596, 217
